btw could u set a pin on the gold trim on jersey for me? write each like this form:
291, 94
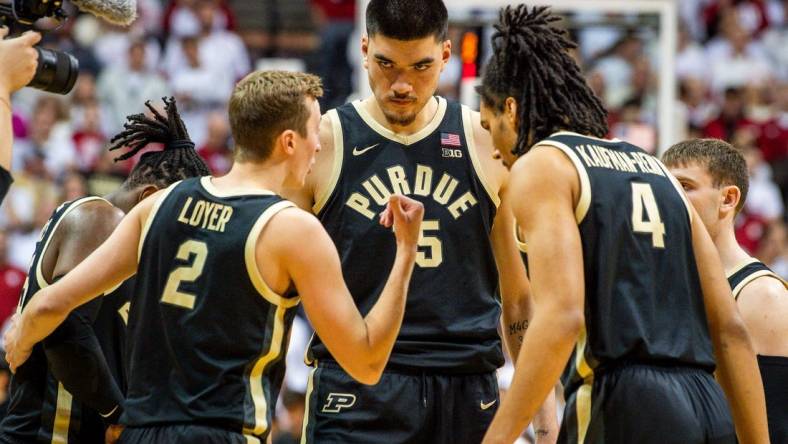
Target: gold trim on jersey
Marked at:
678, 188
206, 183
467, 124
42, 282
62, 416
760, 273
738, 267
252, 439
584, 201
522, 246
321, 196
572, 133
583, 400
399, 138
256, 388
310, 386
151, 216
251, 258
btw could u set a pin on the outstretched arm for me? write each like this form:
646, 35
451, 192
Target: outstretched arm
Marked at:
361, 345
548, 220
737, 368
106, 268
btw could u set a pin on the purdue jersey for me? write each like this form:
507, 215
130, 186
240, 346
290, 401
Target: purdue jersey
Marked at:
207, 336
453, 311
774, 369
643, 302
40, 409
747, 272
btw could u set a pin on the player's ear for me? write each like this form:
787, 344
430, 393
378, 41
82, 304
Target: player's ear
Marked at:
146, 191
510, 109
365, 50
730, 197
446, 52
287, 141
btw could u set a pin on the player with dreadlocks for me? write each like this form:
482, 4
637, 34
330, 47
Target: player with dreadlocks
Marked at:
629, 294
76, 373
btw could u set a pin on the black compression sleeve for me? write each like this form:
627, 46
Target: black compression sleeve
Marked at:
77, 361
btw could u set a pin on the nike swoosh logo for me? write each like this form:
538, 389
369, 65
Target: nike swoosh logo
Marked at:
484, 406
358, 152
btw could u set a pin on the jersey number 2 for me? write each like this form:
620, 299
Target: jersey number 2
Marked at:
643, 198
188, 273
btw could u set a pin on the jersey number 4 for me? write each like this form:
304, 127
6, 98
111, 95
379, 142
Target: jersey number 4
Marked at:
188, 273
643, 198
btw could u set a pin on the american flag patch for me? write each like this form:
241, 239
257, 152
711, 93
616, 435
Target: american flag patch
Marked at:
449, 139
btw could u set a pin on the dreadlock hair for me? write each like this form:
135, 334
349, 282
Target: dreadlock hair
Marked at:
530, 63
178, 160
408, 19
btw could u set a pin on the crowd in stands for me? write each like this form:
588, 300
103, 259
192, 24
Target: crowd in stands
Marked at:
732, 72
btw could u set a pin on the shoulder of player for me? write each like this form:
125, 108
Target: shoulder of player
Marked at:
293, 223
90, 218
543, 161
763, 293
482, 142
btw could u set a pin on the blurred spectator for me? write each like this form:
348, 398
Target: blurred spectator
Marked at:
221, 51
12, 279
734, 58
74, 187
691, 59
88, 138
107, 175
763, 198
216, 150
773, 249
199, 90
731, 117
124, 88
180, 19
630, 127
617, 66
336, 21
49, 137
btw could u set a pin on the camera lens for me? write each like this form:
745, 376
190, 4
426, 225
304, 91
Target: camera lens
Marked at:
56, 72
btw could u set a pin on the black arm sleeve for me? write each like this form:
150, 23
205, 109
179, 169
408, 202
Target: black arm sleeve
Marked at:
77, 361
5, 183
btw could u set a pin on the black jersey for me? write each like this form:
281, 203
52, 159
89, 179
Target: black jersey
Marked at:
207, 336
40, 409
643, 301
774, 369
747, 272
453, 310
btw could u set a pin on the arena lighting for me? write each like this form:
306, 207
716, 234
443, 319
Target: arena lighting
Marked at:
667, 33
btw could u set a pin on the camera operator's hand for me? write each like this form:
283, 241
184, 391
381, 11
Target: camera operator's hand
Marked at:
18, 60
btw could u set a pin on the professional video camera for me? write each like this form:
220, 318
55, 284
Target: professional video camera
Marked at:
57, 71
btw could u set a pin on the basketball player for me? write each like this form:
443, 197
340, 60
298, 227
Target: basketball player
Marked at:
218, 261
75, 373
629, 293
404, 139
714, 176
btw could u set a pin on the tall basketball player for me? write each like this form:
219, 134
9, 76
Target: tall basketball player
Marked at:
440, 385
218, 263
630, 297
75, 374
714, 176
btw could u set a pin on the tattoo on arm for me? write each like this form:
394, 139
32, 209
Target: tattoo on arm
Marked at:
518, 328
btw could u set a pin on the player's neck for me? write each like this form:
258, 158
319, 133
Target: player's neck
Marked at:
731, 253
252, 176
423, 118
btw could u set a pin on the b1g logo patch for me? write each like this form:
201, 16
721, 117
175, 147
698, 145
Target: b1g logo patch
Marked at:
338, 401
451, 153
